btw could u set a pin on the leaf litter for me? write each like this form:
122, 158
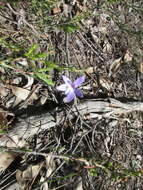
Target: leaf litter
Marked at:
107, 48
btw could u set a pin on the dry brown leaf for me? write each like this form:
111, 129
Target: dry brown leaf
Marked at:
128, 56
56, 10
90, 70
107, 47
21, 94
2, 70
103, 30
6, 159
105, 83
50, 165
140, 67
16, 81
27, 177
28, 86
3, 91
44, 185
115, 66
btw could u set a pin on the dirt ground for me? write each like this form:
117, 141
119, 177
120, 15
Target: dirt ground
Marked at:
98, 150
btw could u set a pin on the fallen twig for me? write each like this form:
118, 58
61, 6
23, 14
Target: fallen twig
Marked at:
30, 125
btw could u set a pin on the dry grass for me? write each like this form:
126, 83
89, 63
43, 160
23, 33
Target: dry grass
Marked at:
79, 152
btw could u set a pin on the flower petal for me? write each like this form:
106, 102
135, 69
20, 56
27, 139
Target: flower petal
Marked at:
79, 81
69, 90
62, 87
66, 80
69, 97
78, 93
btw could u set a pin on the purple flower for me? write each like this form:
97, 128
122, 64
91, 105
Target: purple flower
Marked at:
70, 88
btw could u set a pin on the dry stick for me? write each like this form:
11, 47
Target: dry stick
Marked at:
66, 48
80, 65
31, 125
23, 19
86, 162
90, 45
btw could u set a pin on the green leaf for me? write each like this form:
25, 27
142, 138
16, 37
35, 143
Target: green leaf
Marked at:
44, 78
2, 131
40, 55
51, 64
113, 1
31, 51
70, 28
43, 70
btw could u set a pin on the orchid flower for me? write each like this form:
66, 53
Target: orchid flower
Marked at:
70, 88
